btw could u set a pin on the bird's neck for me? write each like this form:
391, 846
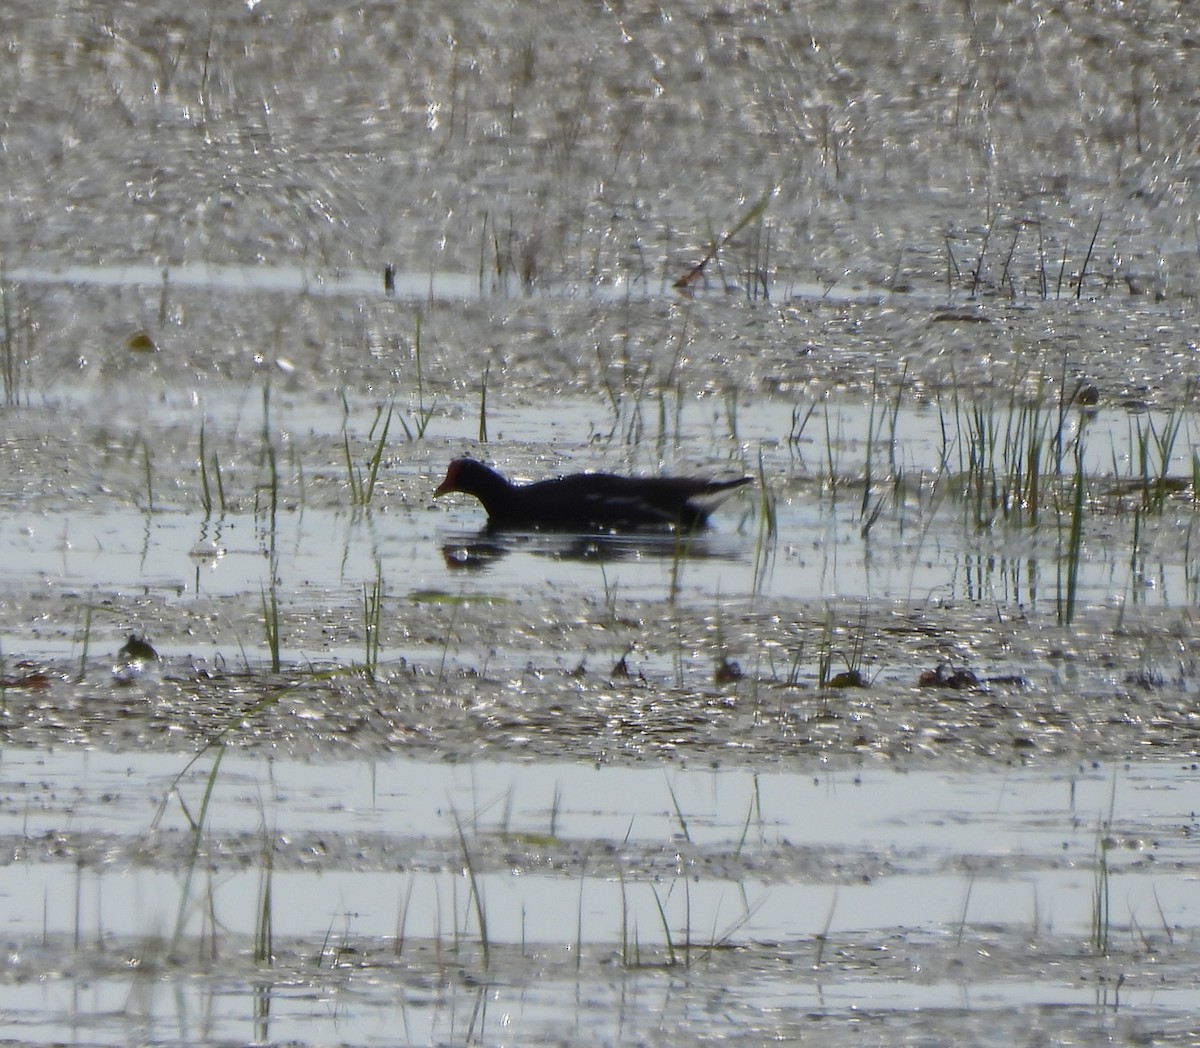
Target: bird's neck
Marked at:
492, 490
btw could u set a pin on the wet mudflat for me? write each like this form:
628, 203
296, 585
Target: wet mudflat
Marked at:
903, 750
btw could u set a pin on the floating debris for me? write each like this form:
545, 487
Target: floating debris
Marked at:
727, 672
135, 654
947, 676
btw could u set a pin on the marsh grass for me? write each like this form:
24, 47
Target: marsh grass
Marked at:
1043, 283
1102, 878
831, 463
85, 641
77, 939
270, 591
270, 621
512, 256
630, 953
758, 261
402, 911
583, 862
666, 927
753, 214
977, 277
1001, 470
1006, 276
455, 604
720, 940
424, 414
362, 487
148, 475
639, 388
681, 946
1155, 448
978, 270
1168, 930
380, 446
679, 816
476, 894
1023, 470
853, 657
962, 917
18, 348
731, 413
680, 552
206, 500
754, 815
1071, 556
372, 612
327, 946
264, 939
1088, 258
215, 745
800, 420
795, 667
1137, 570
868, 515
825, 651
198, 830
767, 533
868, 456
483, 394
354, 477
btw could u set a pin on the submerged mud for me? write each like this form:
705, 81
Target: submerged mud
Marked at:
737, 687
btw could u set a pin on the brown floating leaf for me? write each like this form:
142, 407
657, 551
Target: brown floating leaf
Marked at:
140, 342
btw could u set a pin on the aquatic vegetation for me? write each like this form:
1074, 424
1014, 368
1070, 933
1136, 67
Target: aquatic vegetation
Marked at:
203, 461
1102, 890
264, 936
1071, 555
362, 489
756, 269
372, 614
766, 537
424, 413
199, 829
476, 896
483, 389
19, 347
1155, 448
85, 639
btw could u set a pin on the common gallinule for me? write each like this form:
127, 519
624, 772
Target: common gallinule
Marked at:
589, 501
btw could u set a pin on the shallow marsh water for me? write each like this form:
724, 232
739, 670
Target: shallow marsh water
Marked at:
793, 899
592, 789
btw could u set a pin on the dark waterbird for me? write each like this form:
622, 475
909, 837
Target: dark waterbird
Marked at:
589, 501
